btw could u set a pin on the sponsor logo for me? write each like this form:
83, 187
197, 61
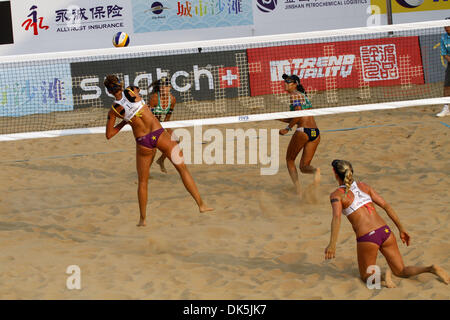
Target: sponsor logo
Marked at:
304, 68
244, 118
335, 65
34, 22
410, 3
379, 62
266, 5
201, 81
203, 8
229, 77
75, 18
157, 8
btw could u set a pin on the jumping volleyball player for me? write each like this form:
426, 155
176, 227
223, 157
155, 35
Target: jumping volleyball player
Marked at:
149, 135
356, 201
162, 103
306, 136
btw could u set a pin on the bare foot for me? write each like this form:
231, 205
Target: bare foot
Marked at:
440, 273
160, 161
388, 279
141, 223
205, 208
317, 177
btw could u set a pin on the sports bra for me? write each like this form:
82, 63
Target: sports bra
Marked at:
298, 103
131, 108
158, 110
360, 199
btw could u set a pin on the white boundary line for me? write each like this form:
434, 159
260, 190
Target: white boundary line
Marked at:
220, 43
235, 119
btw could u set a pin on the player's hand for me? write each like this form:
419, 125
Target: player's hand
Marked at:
330, 252
405, 237
283, 131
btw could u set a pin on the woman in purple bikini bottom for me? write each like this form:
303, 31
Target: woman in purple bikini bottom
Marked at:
356, 201
150, 135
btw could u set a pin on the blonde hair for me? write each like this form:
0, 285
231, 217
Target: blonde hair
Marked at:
344, 170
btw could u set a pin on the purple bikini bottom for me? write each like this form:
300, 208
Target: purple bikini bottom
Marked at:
150, 140
377, 236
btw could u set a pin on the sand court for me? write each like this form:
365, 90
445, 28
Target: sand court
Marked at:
72, 201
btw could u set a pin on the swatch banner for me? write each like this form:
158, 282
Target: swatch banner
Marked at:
6, 36
434, 64
164, 15
346, 64
194, 77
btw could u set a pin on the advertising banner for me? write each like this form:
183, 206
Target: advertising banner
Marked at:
350, 64
433, 63
164, 15
287, 16
35, 89
404, 11
194, 77
6, 36
53, 26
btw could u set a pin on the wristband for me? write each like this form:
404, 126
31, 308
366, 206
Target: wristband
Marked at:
288, 128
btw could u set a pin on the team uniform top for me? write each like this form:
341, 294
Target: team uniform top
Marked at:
158, 110
445, 44
360, 199
298, 103
131, 108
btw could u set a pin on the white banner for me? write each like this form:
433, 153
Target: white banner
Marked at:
65, 25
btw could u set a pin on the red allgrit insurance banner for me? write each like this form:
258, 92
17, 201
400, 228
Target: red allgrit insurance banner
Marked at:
333, 65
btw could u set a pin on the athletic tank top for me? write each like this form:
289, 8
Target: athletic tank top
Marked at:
159, 110
360, 199
298, 103
131, 108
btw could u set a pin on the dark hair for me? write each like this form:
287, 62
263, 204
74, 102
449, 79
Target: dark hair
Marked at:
129, 93
112, 84
295, 79
157, 84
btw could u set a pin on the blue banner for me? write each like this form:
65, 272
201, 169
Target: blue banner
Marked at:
35, 89
154, 16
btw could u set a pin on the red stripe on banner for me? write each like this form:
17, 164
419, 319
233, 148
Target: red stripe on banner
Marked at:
334, 65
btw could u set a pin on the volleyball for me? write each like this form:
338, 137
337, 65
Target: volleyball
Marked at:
410, 3
121, 39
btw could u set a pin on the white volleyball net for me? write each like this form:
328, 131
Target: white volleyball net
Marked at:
226, 81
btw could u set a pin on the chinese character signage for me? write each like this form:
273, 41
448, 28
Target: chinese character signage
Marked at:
154, 16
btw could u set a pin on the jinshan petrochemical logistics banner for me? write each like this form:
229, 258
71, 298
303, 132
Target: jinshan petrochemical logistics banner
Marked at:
287, 16
348, 64
434, 64
404, 11
194, 77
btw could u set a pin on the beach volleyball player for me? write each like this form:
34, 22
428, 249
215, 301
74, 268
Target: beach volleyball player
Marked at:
356, 201
306, 135
149, 135
162, 104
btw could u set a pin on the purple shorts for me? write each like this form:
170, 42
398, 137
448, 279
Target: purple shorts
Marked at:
377, 236
150, 140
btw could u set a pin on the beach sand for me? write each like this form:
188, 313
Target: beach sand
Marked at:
72, 201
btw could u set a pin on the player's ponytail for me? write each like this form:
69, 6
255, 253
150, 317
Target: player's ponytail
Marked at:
344, 170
